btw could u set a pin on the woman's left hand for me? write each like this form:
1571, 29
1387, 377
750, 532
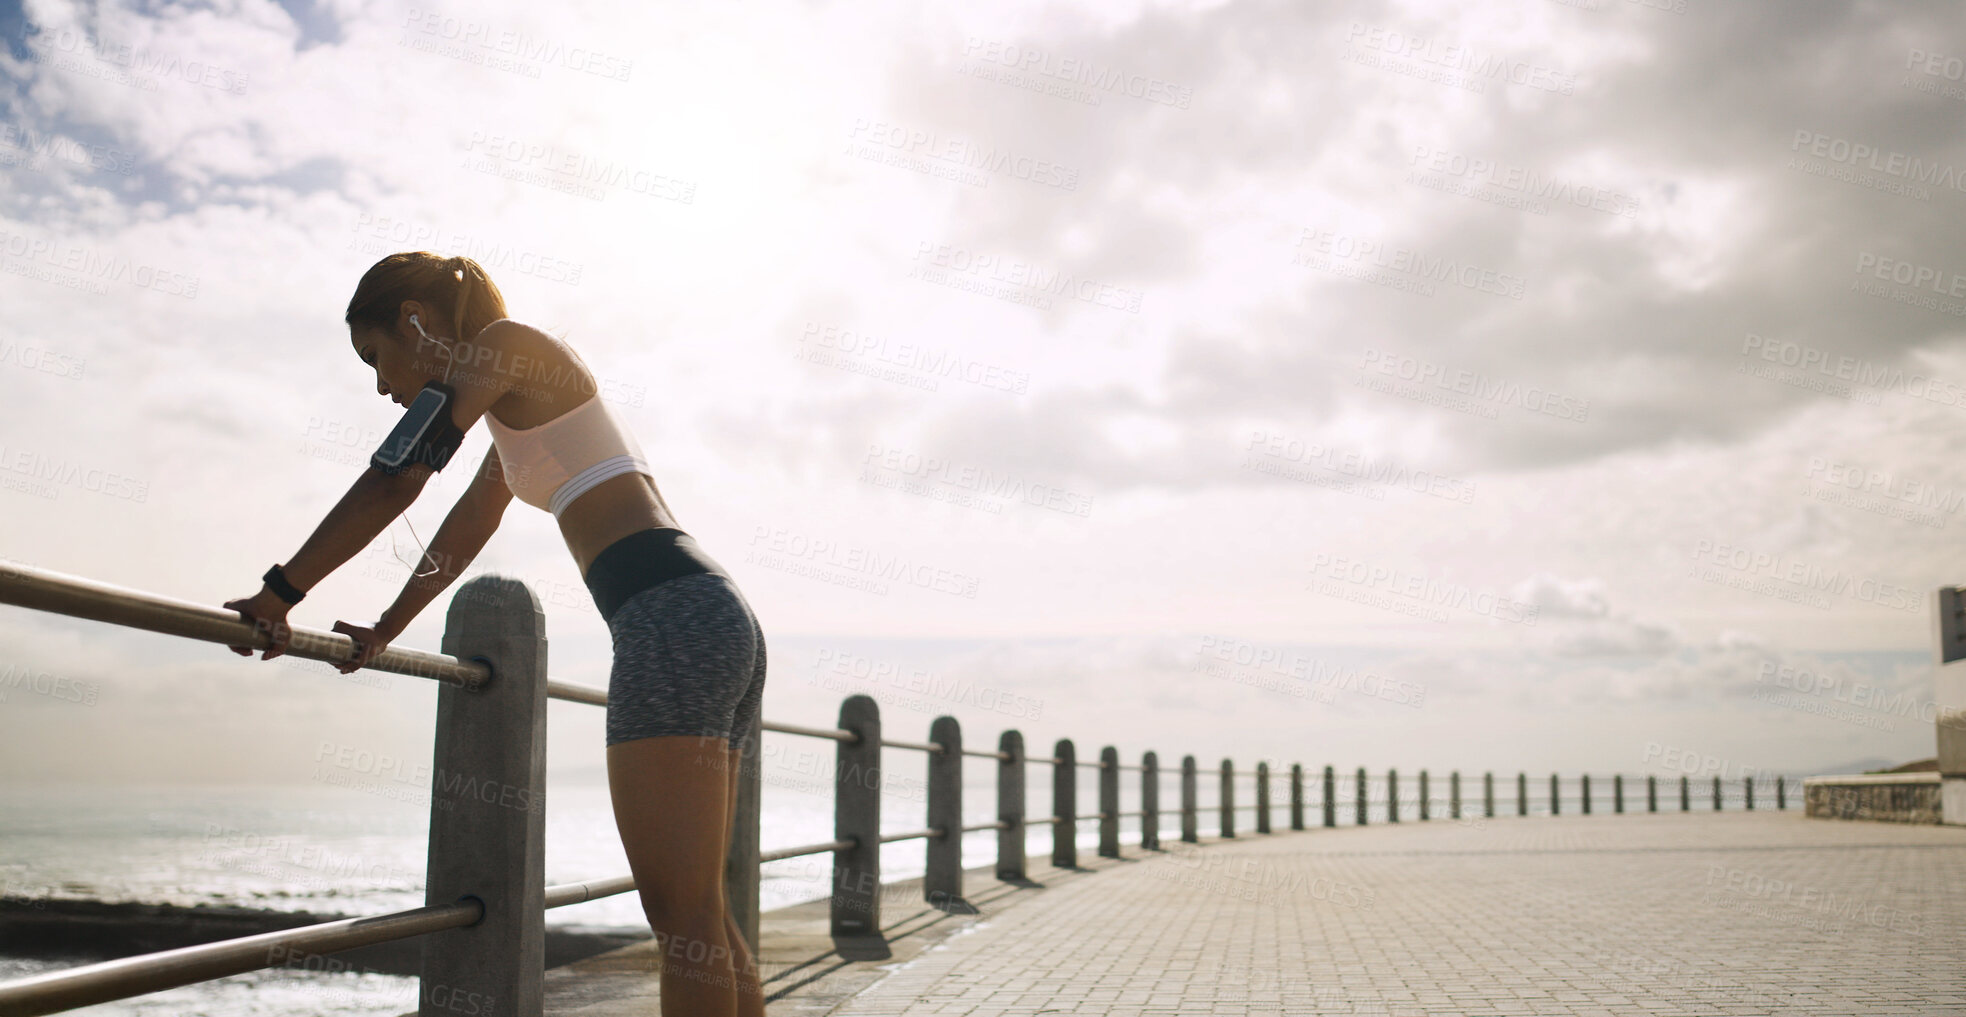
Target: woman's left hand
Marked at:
370, 640
268, 615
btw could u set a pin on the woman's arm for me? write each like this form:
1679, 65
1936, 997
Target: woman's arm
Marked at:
471, 523
372, 502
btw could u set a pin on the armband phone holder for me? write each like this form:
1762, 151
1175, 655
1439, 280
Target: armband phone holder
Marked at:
426, 433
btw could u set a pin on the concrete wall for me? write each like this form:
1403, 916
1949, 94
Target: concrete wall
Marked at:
1887, 797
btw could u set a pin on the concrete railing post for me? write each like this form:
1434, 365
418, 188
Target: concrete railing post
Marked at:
1330, 797
1587, 794
1109, 802
1296, 796
1190, 826
1747, 787
1716, 792
1065, 806
1488, 794
1228, 799
1392, 796
856, 908
1555, 808
1685, 795
1263, 797
1361, 796
1010, 806
1423, 794
488, 805
1521, 793
942, 880
1781, 794
1453, 794
1150, 802
1651, 793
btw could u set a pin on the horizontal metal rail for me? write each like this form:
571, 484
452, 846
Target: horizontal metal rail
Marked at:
844, 844
574, 893
55, 991
58, 592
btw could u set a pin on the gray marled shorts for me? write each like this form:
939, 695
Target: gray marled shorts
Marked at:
689, 659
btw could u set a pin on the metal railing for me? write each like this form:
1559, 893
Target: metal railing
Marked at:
485, 896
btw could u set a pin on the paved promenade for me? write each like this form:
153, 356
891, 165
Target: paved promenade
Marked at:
1702, 913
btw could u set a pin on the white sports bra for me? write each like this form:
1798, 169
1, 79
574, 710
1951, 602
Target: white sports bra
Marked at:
551, 464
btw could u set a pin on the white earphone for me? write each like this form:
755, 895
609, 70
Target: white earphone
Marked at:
449, 354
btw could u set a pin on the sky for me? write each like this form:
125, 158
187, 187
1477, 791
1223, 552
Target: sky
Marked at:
1530, 385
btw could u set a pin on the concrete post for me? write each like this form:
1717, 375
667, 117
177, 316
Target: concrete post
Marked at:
942, 879
488, 805
1555, 808
1010, 806
1685, 795
1651, 793
1587, 794
1263, 797
1521, 793
1747, 787
1189, 823
1392, 796
1109, 802
1618, 792
1716, 792
1150, 802
1423, 794
1296, 796
1453, 794
1488, 794
1330, 797
855, 919
1361, 796
1781, 794
1065, 806
1228, 799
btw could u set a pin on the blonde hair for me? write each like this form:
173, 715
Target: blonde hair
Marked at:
458, 283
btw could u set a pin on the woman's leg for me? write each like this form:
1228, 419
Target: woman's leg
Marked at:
671, 804
750, 993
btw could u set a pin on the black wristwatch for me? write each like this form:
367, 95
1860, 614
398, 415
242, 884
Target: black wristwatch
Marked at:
276, 581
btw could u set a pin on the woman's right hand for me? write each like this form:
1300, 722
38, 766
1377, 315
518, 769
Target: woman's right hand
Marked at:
267, 613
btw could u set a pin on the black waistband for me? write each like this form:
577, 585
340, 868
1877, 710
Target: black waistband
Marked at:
640, 560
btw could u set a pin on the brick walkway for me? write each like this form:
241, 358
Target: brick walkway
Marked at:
1703, 913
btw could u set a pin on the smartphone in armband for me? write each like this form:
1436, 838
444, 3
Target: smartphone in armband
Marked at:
425, 434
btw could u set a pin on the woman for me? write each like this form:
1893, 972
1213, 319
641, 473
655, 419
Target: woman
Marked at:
688, 672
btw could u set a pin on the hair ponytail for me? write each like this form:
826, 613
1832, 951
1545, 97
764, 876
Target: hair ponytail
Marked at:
458, 283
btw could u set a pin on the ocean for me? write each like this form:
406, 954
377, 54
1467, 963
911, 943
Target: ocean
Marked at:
323, 848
